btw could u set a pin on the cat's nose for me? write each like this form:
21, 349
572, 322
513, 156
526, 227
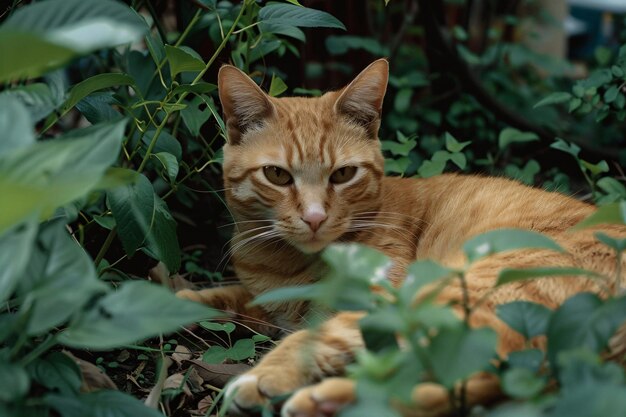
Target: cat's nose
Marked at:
314, 217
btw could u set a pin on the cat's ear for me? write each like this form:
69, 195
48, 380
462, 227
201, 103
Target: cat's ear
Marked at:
362, 99
245, 105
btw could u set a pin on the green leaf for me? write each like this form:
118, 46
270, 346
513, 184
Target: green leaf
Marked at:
402, 102
38, 99
352, 269
454, 145
339, 45
522, 383
95, 83
508, 275
144, 220
242, 349
80, 25
170, 164
611, 94
510, 135
215, 354
165, 143
298, 16
227, 327
105, 403
529, 319
277, 87
612, 186
15, 250
198, 88
595, 169
136, 311
614, 213
133, 208
571, 149
531, 359
399, 148
14, 381
601, 399
193, 117
39, 178
501, 240
303, 292
431, 168
458, 352
420, 274
459, 160
582, 367
15, 124
283, 29
584, 321
618, 245
28, 55
162, 241
554, 98
57, 371
59, 273
183, 59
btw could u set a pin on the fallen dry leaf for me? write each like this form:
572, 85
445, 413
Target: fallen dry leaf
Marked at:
93, 377
181, 353
218, 375
177, 382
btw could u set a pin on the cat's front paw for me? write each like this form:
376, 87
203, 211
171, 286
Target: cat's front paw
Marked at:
320, 400
258, 389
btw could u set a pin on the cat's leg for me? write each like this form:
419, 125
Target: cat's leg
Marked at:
302, 358
233, 299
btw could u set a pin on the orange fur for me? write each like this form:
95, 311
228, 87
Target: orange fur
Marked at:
407, 219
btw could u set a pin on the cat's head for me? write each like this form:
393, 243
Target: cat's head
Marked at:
310, 168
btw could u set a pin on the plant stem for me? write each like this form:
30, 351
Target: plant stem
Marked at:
42, 348
105, 246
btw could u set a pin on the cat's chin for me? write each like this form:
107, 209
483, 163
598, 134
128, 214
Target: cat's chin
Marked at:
312, 246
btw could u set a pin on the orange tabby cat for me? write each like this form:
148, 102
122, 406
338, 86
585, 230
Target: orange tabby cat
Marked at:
301, 173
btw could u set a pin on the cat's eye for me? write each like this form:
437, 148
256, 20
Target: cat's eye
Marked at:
277, 176
343, 175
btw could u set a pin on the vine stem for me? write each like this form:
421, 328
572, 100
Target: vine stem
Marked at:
42, 348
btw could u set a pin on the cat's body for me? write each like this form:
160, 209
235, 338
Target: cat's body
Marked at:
302, 173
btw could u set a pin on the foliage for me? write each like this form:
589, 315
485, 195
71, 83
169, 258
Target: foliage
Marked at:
82, 206
64, 187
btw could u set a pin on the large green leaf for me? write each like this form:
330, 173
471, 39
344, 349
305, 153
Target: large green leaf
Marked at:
15, 249
614, 213
505, 240
529, 319
59, 280
99, 404
39, 178
29, 55
133, 209
45, 35
15, 125
289, 14
457, 352
508, 275
522, 383
136, 311
57, 371
39, 99
95, 83
183, 59
144, 220
81, 25
14, 382
584, 321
